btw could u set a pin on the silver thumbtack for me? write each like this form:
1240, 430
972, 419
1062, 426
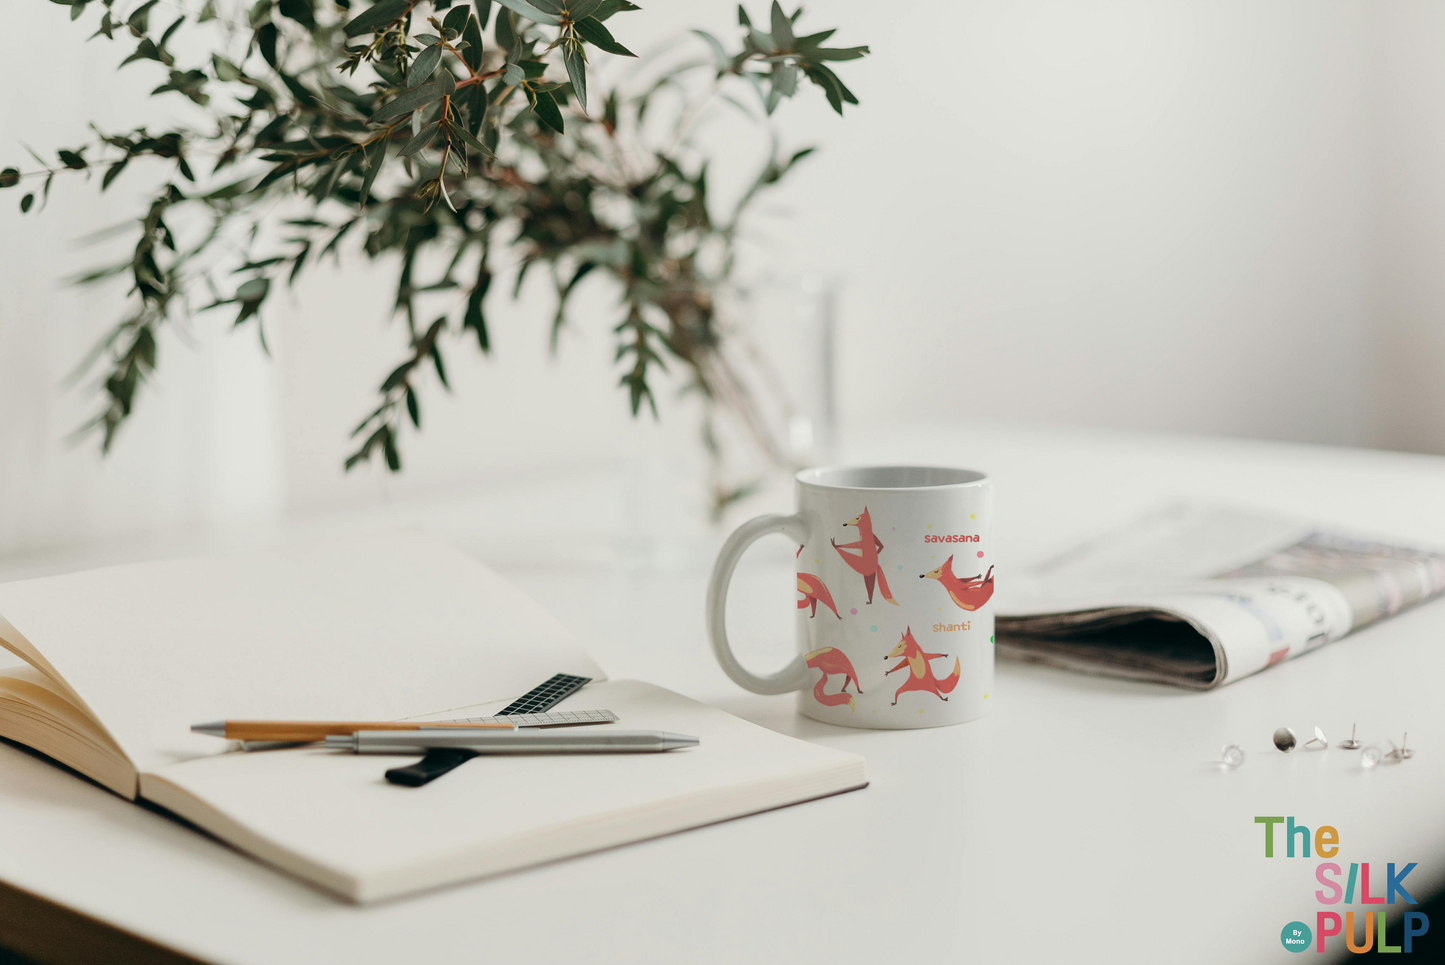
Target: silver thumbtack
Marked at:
1405, 752
1233, 755
1370, 756
1351, 744
1284, 739
1319, 739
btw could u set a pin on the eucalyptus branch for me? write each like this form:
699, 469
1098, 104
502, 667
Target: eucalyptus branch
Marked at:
419, 128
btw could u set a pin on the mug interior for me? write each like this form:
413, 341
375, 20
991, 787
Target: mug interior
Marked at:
888, 477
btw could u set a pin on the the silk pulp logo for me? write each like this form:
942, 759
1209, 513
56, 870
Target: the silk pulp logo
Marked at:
1369, 923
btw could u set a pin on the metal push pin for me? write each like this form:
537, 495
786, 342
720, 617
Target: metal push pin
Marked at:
1402, 752
1284, 739
1319, 739
1232, 755
1351, 744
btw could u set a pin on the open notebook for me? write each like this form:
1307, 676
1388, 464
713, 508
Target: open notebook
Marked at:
117, 663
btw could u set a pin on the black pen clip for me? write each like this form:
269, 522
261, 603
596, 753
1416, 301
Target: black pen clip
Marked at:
438, 761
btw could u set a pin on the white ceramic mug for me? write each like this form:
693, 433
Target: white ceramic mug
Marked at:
895, 575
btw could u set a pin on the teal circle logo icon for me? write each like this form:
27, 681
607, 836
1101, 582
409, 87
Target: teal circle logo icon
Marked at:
1295, 936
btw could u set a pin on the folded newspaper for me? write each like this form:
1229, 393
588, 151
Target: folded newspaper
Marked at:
1202, 595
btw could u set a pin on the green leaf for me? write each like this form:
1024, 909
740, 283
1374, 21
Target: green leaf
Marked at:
474, 317
9, 177
266, 35
527, 10
456, 19
298, 263
26, 202
323, 188
436, 358
833, 88
484, 10
719, 54
592, 31
546, 109
408, 102
812, 40
782, 27
466, 137
427, 135
578, 9
743, 19
375, 158
476, 106
377, 15
253, 291
785, 79
837, 53
472, 34
139, 22
797, 156
576, 63
113, 172
425, 64
504, 32
224, 69
608, 7
388, 446
397, 377
299, 11
364, 453
413, 408
513, 75
145, 50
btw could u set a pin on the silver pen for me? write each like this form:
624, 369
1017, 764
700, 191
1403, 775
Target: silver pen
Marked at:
509, 742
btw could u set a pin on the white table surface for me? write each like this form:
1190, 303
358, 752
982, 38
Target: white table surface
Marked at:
1082, 818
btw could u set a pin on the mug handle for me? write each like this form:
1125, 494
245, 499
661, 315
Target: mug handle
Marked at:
795, 675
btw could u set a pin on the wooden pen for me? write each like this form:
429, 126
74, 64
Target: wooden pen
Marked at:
317, 730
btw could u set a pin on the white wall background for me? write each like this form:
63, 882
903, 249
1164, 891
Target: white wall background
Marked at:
1217, 216
1408, 334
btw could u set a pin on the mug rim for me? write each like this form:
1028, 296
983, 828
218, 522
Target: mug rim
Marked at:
815, 477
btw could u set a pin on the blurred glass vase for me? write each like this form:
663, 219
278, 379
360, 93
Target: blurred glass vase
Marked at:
774, 383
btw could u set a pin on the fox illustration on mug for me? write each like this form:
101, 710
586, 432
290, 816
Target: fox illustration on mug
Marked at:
920, 675
915, 510
831, 661
865, 563
814, 591
969, 593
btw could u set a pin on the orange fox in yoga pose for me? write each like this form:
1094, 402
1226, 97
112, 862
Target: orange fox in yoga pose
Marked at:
920, 675
970, 593
814, 590
866, 562
831, 661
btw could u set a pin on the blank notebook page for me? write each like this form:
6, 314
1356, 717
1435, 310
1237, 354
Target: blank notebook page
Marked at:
380, 626
330, 815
